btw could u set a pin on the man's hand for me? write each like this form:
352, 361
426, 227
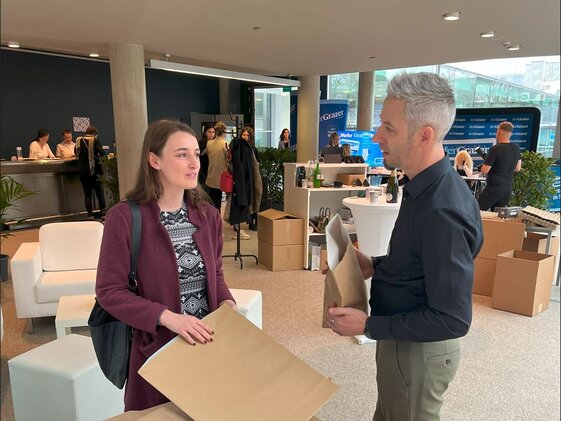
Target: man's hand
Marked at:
346, 321
365, 264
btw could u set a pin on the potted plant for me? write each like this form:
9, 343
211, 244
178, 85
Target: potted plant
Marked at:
271, 162
533, 184
10, 192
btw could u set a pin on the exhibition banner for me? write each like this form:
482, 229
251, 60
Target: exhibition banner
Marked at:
361, 144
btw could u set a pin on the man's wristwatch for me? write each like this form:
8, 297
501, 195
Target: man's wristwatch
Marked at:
366, 333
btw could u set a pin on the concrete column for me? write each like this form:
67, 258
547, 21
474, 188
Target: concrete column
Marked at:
128, 88
365, 100
308, 119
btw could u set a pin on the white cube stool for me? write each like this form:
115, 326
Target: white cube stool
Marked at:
62, 381
73, 311
250, 305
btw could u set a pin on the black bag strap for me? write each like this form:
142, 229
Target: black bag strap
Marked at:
135, 243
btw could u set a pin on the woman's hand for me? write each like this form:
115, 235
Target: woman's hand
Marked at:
189, 327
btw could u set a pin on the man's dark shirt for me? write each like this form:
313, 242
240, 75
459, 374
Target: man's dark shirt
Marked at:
421, 291
502, 159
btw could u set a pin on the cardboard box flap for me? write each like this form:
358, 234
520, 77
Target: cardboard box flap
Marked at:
254, 376
274, 214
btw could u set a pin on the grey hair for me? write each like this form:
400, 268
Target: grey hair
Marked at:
429, 100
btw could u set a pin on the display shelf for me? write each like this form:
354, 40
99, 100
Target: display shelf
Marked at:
306, 202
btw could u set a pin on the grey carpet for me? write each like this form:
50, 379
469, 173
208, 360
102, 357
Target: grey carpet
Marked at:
510, 368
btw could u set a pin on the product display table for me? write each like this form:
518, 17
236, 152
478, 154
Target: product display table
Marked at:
374, 223
73, 311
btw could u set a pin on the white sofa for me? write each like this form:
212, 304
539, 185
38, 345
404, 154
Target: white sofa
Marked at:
63, 262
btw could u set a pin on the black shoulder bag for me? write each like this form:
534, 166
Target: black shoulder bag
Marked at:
111, 337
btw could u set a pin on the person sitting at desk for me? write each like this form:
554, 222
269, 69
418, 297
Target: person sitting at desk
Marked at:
463, 164
66, 148
39, 149
333, 147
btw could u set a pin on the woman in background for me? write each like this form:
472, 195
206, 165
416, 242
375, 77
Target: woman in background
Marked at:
208, 134
284, 139
463, 163
66, 148
39, 148
180, 277
217, 151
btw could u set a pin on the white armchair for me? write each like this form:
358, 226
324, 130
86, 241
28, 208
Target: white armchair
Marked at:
63, 262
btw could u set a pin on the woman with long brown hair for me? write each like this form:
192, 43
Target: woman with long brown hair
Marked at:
179, 274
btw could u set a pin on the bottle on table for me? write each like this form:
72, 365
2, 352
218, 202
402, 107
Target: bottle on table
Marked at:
392, 188
19, 155
310, 174
317, 177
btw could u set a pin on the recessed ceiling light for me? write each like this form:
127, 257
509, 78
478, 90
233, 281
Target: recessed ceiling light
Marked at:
488, 34
94, 55
256, 28
13, 44
505, 44
451, 16
514, 47
371, 57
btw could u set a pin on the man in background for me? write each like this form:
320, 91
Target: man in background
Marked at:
500, 165
420, 296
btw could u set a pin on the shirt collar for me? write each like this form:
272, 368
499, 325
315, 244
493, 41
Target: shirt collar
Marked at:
428, 176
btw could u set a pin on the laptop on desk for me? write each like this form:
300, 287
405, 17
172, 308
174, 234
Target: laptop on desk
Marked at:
332, 158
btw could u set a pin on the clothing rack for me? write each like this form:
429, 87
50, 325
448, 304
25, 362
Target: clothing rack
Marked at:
238, 253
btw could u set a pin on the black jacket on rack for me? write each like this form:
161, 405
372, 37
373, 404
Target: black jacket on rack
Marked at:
242, 169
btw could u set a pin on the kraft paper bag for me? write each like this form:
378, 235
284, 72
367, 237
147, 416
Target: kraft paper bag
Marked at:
164, 412
344, 283
243, 374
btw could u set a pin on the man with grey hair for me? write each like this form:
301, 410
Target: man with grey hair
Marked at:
420, 296
500, 165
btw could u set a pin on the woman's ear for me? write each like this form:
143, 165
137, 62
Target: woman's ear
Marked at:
154, 160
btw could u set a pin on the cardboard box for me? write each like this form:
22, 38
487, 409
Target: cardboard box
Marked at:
348, 179
279, 228
500, 236
323, 259
522, 282
483, 276
506, 212
536, 242
277, 258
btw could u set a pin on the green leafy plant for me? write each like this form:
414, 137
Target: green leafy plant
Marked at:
10, 193
533, 185
271, 162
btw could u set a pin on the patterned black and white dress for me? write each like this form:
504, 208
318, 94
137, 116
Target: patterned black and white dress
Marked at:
190, 265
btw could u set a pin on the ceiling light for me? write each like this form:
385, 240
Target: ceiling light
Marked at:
505, 44
94, 55
515, 47
13, 44
488, 34
451, 16
372, 57
224, 74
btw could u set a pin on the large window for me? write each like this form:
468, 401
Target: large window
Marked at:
484, 84
272, 115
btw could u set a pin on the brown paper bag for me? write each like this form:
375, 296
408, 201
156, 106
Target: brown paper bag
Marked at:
344, 283
254, 377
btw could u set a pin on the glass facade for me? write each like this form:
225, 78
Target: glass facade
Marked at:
472, 90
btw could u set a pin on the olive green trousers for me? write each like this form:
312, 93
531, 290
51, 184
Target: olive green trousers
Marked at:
412, 378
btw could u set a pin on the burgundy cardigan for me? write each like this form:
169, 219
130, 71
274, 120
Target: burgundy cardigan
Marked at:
158, 283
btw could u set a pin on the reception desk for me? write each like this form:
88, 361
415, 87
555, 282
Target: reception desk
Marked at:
58, 192
374, 223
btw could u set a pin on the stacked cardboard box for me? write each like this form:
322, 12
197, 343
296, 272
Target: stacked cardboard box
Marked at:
349, 179
281, 240
523, 282
499, 236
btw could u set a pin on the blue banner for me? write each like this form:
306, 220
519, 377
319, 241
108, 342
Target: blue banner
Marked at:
473, 128
361, 144
332, 118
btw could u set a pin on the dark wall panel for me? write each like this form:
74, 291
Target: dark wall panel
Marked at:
42, 91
